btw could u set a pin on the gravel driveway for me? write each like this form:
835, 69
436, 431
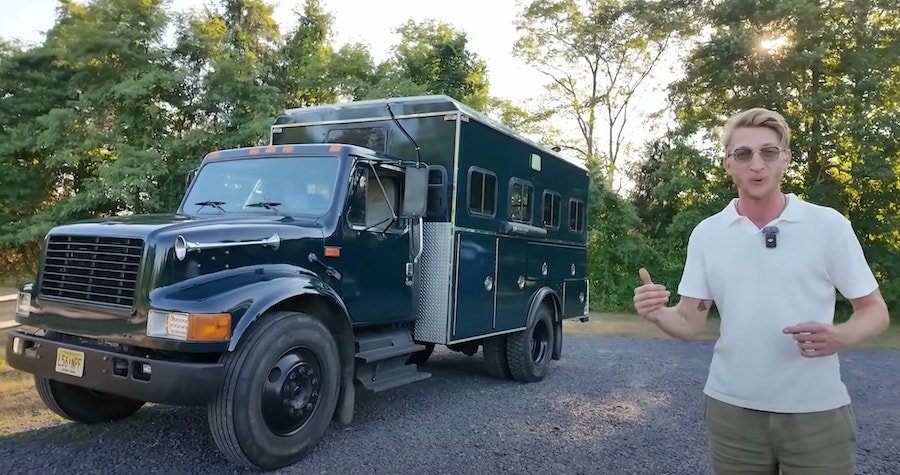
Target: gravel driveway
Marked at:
611, 405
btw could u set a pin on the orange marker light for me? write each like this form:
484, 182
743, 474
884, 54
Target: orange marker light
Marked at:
331, 251
287, 149
254, 151
213, 155
271, 149
209, 327
334, 148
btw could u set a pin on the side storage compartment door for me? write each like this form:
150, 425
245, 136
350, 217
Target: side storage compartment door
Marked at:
575, 298
512, 300
475, 283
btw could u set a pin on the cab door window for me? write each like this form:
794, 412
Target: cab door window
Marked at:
375, 200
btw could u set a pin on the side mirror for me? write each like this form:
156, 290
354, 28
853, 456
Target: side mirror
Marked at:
415, 192
190, 178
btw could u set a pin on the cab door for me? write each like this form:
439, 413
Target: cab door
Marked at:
375, 252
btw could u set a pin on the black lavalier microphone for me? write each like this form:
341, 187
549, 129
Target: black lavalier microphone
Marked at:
770, 232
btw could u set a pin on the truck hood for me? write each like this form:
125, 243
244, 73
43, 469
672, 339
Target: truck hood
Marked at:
216, 243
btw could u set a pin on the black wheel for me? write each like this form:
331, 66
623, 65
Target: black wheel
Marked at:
495, 363
280, 391
83, 405
420, 357
529, 352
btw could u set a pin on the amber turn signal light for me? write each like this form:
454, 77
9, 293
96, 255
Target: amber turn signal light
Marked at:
209, 327
331, 251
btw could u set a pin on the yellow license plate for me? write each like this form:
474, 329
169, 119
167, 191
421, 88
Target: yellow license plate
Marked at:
70, 362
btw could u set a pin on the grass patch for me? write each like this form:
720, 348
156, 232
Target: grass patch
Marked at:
631, 325
21, 408
7, 310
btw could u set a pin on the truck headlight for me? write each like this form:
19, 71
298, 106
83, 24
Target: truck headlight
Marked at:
180, 248
189, 326
23, 304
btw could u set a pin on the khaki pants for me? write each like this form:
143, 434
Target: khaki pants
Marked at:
748, 441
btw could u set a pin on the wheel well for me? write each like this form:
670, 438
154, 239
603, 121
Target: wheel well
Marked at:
324, 309
328, 312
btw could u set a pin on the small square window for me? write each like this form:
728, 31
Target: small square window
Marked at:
576, 216
520, 201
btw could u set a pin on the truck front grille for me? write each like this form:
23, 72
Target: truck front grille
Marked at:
92, 269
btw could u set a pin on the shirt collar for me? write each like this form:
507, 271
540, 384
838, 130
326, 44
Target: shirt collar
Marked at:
792, 213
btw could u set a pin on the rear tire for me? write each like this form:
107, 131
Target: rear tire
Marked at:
84, 405
529, 352
495, 362
280, 391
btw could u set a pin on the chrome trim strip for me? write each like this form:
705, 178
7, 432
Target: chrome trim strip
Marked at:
496, 282
488, 335
454, 195
356, 121
548, 242
456, 286
274, 241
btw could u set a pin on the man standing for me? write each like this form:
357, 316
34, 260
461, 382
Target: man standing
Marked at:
771, 262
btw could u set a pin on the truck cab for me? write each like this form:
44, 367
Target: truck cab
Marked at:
294, 274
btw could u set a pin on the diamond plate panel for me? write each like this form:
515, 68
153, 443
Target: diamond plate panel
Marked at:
434, 280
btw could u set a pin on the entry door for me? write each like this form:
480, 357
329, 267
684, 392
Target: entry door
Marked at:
375, 252
476, 285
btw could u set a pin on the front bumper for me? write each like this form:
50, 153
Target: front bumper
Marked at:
168, 382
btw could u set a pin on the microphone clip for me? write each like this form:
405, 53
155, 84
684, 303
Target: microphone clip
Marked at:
770, 233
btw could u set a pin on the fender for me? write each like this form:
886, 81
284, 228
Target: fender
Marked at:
245, 293
537, 299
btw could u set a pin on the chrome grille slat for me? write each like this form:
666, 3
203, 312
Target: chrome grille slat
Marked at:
95, 269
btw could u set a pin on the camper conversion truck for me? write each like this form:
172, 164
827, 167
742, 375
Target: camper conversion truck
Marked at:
332, 260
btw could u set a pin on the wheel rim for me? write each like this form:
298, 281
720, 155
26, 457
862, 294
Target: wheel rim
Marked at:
540, 342
291, 391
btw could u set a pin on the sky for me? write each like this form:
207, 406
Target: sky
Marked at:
491, 34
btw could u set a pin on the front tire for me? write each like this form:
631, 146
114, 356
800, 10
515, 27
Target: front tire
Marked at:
280, 391
84, 405
529, 352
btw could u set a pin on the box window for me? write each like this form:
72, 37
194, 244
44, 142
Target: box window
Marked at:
551, 209
520, 192
482, 192
576, 216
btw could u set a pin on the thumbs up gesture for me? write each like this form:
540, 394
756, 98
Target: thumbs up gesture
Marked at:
649, 297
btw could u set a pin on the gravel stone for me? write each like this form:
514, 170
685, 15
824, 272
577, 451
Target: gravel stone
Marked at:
611, 405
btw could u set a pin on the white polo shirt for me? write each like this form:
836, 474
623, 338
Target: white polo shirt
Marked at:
758, 291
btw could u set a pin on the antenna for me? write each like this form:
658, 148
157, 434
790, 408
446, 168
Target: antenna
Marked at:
418, 156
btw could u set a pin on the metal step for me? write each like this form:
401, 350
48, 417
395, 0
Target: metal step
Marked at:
381, 359
380, 354
396, 378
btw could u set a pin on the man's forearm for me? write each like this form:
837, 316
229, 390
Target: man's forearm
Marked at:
865, 323
671, 321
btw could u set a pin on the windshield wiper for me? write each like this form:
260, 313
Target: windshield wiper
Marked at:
265, 204
215, 204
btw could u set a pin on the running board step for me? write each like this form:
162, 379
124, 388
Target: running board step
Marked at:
385, 344
381, 354
382, 381
382, 359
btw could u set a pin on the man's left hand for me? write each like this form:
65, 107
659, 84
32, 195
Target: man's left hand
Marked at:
817, 339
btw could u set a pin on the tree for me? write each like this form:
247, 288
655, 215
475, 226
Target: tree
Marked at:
830, 69
433, 58
89, 111
597, 55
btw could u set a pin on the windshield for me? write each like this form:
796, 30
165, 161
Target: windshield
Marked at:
295, 185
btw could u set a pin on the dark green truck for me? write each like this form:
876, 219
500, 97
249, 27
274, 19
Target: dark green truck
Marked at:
292, 275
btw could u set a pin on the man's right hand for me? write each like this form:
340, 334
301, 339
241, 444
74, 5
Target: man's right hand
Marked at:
649, 297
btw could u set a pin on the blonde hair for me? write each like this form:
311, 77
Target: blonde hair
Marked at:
757, 117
